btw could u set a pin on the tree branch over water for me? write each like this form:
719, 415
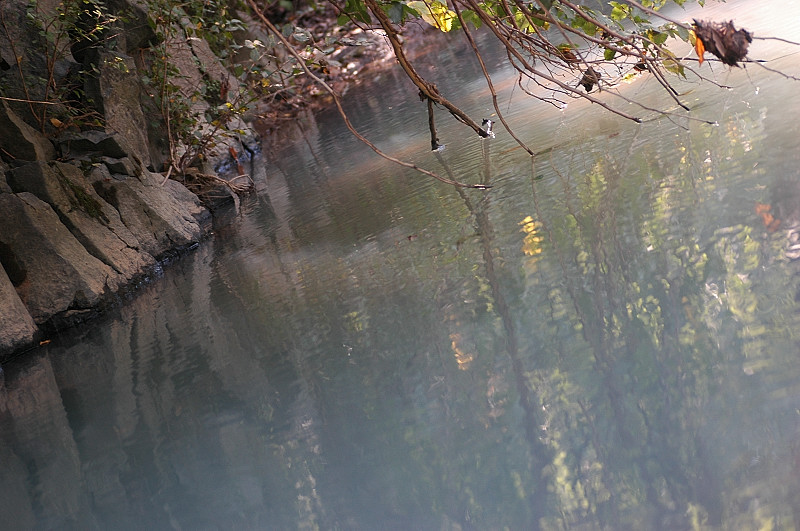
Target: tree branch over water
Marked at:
302, 63
560, 50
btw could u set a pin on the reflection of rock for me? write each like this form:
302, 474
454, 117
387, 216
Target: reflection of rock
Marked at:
15, 501
43, 444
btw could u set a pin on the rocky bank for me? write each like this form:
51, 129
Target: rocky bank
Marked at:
85, 215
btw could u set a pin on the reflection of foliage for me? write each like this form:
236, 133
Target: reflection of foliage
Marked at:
603, 367
532, 243
652, 311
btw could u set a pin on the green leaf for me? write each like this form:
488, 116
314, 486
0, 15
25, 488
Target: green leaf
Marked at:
434, 13
587, 27
472, 17
357, 10
396, 12
657, 37
619, 11
522, 22
609, 54
671, 63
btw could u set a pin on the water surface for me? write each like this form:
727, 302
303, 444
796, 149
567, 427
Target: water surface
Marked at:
606, 339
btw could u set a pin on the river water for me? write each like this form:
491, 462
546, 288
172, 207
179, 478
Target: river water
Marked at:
605, 339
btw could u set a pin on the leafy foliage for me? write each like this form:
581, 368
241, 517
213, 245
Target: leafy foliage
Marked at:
69, 29
561, 49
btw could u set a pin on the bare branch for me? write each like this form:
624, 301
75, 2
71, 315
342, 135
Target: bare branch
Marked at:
278, 35
428, 89
486, 75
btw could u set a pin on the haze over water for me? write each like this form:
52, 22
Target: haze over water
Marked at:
606, 339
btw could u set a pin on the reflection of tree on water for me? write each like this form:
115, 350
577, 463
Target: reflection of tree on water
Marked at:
600, 443
539, 453
662, 299
659, 314
615, 453
612, 346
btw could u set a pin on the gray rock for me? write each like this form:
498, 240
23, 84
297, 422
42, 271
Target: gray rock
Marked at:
4, 187
17, 328
117, 93
55, 276
197, 64
99, 143
20, 140
134, 30
123, 166
94, 222
162, 218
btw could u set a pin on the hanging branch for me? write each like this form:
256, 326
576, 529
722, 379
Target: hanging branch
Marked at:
488, 78
531, 71
579, 64
428, 89
435, 145
301, 62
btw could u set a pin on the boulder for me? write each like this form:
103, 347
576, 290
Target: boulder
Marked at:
203, 83
163, 218
116, 91
17, 328
134, 29
4, 187
94, 222
21, 141
56, 278
85, 144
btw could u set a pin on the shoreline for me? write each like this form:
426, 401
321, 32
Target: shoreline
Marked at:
88, 223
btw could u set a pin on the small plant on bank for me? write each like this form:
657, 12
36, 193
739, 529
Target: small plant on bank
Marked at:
199, 112
48, 82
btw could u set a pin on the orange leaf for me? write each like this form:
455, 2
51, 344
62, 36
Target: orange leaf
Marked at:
700, 49
773, 225
770, 222
761, 208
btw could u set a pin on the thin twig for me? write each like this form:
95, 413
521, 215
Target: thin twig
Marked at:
489, 83
793, 43
428, 89
655, 13
37, 102
275, 31
534, 72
